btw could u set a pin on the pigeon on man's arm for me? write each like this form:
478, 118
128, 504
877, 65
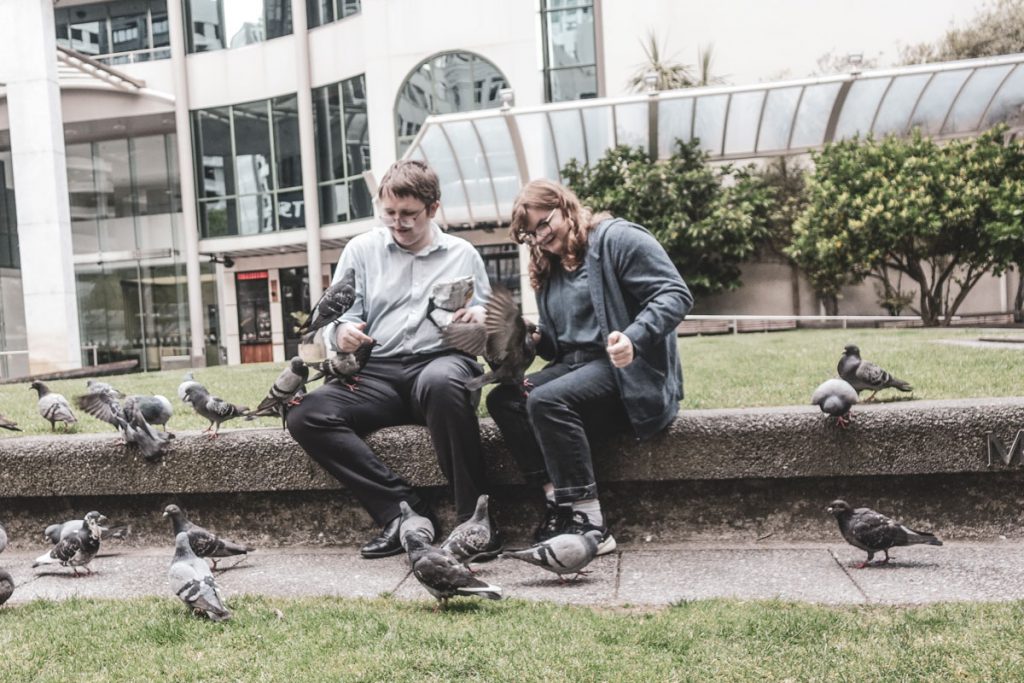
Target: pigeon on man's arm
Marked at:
287, 391
345, 367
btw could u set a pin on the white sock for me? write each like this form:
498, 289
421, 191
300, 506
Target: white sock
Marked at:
592, 509
550, 495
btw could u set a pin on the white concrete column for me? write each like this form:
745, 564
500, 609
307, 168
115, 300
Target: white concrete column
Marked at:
28, 68
187, 180
307, 147
275, 295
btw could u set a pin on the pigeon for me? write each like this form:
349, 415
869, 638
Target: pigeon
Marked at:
156, 409
191, 580
186, 382
333, 303
562, 554
6, 586
214, 409
61, 530
345, 366
8, 423
95, 386
835, 397
204, 543
448, 297
3, 537
287, 390
78, 549
862, 374
129, 419
505, 340
873, 532
413, 523
474, 539
443, 575
53, 407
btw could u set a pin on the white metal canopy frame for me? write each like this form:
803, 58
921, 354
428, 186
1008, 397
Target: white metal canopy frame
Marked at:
483, 158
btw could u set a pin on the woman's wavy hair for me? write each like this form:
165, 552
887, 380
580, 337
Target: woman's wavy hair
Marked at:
547, 195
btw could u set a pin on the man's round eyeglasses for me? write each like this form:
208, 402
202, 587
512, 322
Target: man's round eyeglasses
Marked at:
530, 236
403, 219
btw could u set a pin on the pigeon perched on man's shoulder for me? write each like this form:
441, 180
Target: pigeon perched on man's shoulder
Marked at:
835, 397
287, 390
863, 374
333, 304
443, 575
191, 580
53, 407
475, 540
562, 554
212, 408
204, 543
873, 532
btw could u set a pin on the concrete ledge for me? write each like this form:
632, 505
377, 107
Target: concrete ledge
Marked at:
892, 439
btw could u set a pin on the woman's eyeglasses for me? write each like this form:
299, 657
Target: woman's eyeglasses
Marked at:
542, 229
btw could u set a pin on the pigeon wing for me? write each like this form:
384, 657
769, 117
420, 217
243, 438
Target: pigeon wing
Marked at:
505, 327
468, 337
871, 375
873, 529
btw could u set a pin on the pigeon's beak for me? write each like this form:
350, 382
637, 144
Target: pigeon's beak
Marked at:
829, 509
164, 514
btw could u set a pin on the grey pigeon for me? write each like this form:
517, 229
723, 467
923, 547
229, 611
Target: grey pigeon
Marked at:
443, 575
873, 532
3, 538
187, 381
95, 386
54, 533
562, 554
414, 523
835, 397
76, 550
344, 367
333, 303
505, 341
6, 586
204, 543
863, 374
8, 423
53, 407
287, 391
214, 409
474, 539
129, 419
190, 579
448, 297
156, 409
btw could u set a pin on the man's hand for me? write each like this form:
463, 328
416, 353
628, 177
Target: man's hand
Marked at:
350, 337
620, 349
471, 314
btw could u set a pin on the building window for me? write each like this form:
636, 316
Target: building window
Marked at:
342, 150
9, 256
121, 32
443, 84
248, 168
219, 24
570, 60
502, 264
320, 12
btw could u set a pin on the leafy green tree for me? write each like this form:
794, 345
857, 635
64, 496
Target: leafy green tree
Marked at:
996, 30
708, 219
941, 215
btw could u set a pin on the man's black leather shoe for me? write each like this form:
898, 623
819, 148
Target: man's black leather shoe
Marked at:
386, 543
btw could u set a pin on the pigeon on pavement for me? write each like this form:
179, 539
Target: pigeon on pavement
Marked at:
190, 579
204, 543
7, 423
76, 550
562, 554
6, 586
345, 366
863, 374
873, 532
214, 409
504, 339
61, 530
287, 391
53, 407
443, 575
835, 397
474, 539
333, 303
414, 523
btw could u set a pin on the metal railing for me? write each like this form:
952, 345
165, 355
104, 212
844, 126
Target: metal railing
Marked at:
733, 321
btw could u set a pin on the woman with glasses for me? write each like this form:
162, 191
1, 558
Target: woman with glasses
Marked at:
609, 300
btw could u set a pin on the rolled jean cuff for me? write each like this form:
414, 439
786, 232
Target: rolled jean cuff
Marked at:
539, 477
573, 493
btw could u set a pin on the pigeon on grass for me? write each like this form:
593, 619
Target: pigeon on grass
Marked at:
333, 303
835, 397
443, 575
562, 554
190, 579
214, 409
76, 550
53, 407
474, 540
287, 390
863, 374
873, 532
204, 543
344, 366
8, 423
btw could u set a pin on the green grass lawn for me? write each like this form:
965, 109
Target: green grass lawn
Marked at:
725, 371
327, 639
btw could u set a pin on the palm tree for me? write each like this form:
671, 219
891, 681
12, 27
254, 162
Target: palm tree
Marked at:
669, 74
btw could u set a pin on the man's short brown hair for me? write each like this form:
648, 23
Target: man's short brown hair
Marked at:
411, 178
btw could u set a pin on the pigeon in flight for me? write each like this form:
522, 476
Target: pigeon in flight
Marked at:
835, 397
204, 543
504, 339
562, 554
474, 540
287, 390
55, 533
344, 366
443, 575
863, 374
190, 579
129, 418
95, 386
873, 532
76, 550
53, 407
7, 423
414, 523
214, 409
333, 303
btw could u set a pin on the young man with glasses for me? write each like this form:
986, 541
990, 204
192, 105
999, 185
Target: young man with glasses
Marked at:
411, 376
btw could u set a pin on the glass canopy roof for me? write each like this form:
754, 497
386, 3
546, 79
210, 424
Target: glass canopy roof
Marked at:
483, 158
